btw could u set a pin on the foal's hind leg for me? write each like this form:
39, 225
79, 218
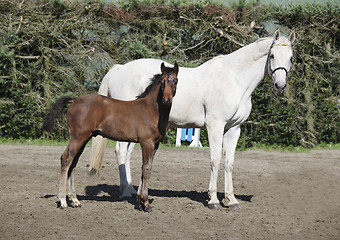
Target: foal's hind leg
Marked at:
72, 191
66, 160
69, 161
71, 179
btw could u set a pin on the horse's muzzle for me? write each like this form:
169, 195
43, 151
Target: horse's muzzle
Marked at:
279, 88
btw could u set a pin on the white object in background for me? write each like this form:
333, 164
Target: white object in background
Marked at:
188, 134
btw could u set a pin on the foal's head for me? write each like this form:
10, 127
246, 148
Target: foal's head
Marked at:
169, 82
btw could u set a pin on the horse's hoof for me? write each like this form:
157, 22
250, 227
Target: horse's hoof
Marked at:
63, 207
125, 199
235, 206
214, 206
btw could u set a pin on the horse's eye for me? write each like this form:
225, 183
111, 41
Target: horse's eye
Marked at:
291, 59
175, 81
272, 56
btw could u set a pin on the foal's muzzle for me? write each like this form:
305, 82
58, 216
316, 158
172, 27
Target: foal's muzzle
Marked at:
167, 101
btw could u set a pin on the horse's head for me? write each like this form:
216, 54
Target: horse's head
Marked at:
169, 82
280, 59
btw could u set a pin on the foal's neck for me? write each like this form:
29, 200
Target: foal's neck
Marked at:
153, 95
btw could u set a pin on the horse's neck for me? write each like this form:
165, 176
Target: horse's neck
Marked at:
248, 64
254, 51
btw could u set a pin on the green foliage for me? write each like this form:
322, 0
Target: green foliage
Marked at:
53, 48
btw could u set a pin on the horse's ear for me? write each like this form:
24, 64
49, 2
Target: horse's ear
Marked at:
292, 37
162, 67
276, 35
176, 68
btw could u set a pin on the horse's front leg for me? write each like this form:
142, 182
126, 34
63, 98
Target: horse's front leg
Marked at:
215, 135
229, 145
148, 152
123, 152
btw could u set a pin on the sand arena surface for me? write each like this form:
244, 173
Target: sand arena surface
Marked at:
282, 196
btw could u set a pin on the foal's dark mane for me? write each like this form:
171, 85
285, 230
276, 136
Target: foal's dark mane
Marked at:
154, 81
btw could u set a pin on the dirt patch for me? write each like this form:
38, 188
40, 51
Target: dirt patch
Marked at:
282, 196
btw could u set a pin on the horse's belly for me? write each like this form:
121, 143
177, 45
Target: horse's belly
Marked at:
184, 115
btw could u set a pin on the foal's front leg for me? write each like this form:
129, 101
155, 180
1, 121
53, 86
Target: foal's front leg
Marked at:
148, 152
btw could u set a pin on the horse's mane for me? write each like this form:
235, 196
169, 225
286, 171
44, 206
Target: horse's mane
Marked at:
281, 41
156, 79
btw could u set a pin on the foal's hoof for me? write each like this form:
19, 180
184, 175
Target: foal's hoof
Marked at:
234, 207
214, 206
76, 205
148, 209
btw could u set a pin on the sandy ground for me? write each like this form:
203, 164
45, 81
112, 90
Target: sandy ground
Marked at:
282, 196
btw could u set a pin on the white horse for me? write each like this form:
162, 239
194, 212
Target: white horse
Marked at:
215, 95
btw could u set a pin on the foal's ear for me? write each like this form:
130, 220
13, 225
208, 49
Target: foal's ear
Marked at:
277, 35
176, 68
292, 37
162, 67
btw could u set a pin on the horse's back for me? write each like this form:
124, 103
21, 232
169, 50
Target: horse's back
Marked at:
131, 79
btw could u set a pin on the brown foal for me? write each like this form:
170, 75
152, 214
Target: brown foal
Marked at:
144, 120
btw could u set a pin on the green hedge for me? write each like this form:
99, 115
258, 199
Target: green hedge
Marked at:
53, 48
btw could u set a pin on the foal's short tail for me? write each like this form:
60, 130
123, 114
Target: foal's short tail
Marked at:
57, 107
99, 143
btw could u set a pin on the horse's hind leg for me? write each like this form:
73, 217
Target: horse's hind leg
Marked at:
128, 168
123, 152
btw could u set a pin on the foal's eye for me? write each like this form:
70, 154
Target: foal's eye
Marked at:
291, 59
175, 81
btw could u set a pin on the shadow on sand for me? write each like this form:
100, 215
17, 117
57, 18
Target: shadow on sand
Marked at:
111, 193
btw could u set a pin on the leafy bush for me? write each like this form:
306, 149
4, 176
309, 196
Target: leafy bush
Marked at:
54, 48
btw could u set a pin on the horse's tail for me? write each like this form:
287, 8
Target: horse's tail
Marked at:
99, 143
57, 107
